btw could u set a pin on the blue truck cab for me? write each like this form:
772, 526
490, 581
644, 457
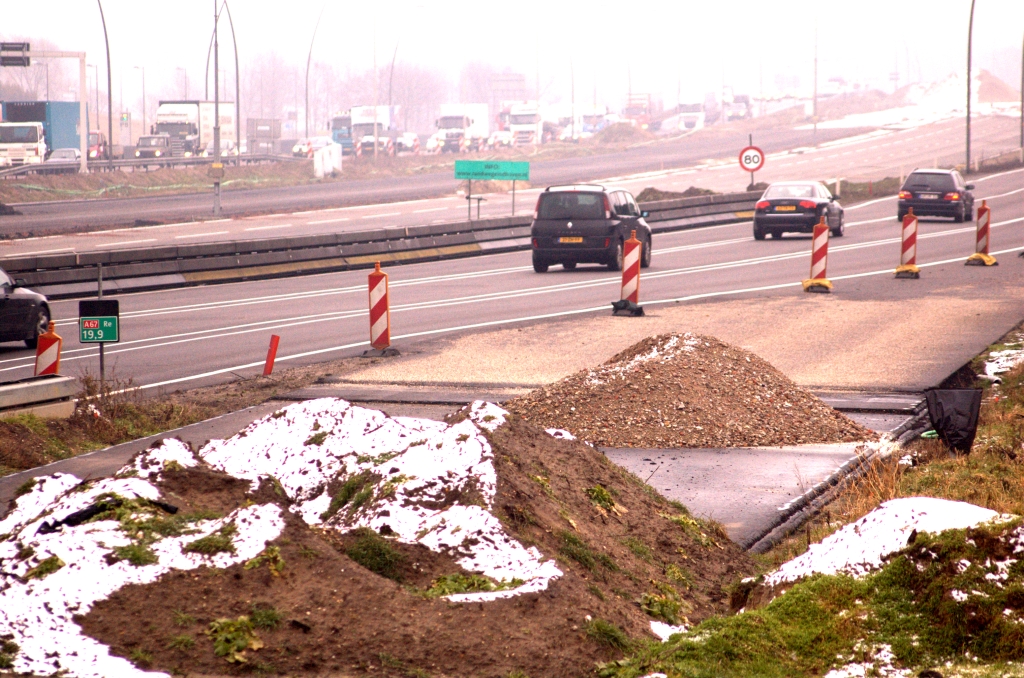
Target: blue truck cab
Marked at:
341, 133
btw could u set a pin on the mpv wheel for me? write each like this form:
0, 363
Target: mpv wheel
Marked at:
539, 265
615, 264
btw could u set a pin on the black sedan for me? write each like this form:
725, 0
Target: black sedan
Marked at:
24, 314
795, 207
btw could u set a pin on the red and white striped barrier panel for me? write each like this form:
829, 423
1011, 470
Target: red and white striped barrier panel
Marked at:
268, 367
48, 347
380, 316
819, 282
908, 248
630, 297
981, 257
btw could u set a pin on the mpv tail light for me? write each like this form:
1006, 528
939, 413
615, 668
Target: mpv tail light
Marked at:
607, 207
808, 205
905, 195
536, 210
952, 196
762, 205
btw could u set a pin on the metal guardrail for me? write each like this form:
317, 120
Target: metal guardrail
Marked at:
135, 269
139, 163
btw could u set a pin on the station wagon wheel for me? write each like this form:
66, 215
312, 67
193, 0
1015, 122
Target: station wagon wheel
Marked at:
42, 325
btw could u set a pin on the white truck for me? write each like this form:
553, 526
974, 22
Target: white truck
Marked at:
525, 123
460, 129
363, 120
691, 116
190, 124
22, 143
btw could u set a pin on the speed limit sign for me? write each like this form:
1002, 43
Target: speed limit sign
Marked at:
751, 159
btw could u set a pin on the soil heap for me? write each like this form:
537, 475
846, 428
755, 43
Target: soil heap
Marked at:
332, 539
685, 390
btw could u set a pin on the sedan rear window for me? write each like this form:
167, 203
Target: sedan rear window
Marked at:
790, 191
571, 205
930, 182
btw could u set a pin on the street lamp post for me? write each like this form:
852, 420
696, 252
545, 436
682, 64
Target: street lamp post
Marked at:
96, 83
143, 69
110, 89
309, 58
206, 79
216, 109
572, 98
970, 35
185, 71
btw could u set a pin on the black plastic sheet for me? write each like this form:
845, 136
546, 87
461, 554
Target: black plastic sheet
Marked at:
954, 414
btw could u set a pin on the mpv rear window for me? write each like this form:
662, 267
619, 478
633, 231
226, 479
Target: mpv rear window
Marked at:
930, 182
571, 205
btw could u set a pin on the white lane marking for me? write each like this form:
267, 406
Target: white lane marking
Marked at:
25, 254
200, 235
871, 221
432, 209
996, 176
216, 221
1003, 195
299, 214
870, 202
329, 221
125, 242
377, 216
267, 228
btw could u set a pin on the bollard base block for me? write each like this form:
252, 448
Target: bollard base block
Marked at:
627, 306
980, 259
389, 352
819, 285
908, 272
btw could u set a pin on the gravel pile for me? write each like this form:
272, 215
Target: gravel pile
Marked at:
686, 390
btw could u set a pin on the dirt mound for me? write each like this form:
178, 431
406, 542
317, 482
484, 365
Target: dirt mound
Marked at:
622, 133
684, 390
332, 579
651, 194
993, 90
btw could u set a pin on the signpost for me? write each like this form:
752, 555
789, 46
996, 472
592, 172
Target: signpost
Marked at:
751, 160
99, 323
491, 170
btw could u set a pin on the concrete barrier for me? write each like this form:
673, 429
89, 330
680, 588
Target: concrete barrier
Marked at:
50, 396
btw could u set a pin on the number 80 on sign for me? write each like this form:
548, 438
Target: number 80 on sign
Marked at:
751, 159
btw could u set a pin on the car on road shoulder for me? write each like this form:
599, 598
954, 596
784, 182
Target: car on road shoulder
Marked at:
583, 224
24, 314
936, 193
795, 207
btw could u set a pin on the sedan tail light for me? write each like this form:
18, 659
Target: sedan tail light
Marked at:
808, 204
952, 196
905, 195
762, 205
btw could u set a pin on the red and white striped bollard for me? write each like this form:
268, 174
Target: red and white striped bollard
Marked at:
48, 347
630, 297
908, 248
818, 282
380, 315
981, 257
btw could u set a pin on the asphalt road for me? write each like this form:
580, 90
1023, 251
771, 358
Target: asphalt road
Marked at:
873, 154
185, 337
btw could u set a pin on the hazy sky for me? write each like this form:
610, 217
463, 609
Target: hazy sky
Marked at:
691, 46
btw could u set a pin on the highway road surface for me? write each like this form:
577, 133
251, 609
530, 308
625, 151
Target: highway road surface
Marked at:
421, 199
188, 337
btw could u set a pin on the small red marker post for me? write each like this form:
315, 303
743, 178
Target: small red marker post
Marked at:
268, 368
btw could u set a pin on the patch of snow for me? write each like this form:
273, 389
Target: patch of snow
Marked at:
1000, 362
155, 459
663, 630
859, 548
560, 433
411, 467
39, 612
881, 666
958, 596
667, 350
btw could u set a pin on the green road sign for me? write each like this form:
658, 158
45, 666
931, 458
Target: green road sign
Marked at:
98, 330
485, 169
